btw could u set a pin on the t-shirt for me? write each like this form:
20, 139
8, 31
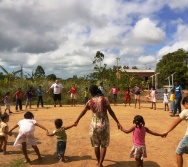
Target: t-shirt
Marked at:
56, 88
184, 116
172, 97
7, 100
27, 125
60, 134
73, 90
136, 90
29, 94
19, 94
39, 91
86, 93
102, 89
2, 125
114, 91
178, 90
139, 136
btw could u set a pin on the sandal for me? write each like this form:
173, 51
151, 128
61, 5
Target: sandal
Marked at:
172, 115
27, 160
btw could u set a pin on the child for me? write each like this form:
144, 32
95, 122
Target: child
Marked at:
4, 133
86, 95
165, 100
172, 100
39, 93
73, 92
19, 96
29, 95
153, 93
61, 138
127, 96
139, 131
26, 138
114, 92
183, 145
7, 102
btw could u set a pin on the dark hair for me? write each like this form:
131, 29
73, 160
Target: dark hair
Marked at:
7, 93
58, 123
86, 87
185, 100
139, 120
4, 116
28, 115
172, 90
94, 90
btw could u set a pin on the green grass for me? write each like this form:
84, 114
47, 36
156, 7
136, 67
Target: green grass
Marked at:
15, 163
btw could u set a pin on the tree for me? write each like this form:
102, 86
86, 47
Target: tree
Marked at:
134, 67
99, 57
51, 77
39, 72
173, 62
10, 76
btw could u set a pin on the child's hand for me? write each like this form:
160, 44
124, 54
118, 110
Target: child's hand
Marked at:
10, 133
119, 126
75, 123
163, 135
47, 133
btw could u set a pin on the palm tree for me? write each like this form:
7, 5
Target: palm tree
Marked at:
11, 75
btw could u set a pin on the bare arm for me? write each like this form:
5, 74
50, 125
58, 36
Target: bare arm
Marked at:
40, 126
129, 130
47, 133
13, 128
155, 133
68, 127
174, 124
111, 112
80, 116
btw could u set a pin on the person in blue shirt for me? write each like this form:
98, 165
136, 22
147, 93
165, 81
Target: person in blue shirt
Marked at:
178, 96
39, 94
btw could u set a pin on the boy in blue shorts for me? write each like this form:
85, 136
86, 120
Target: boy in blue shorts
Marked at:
61, 138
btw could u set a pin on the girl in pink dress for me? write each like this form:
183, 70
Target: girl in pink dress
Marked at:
139, 131
26, 138
114, 92
153, 93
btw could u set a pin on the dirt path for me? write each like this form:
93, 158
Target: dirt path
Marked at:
161, 151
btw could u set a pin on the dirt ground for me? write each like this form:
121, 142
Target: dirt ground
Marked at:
161, 151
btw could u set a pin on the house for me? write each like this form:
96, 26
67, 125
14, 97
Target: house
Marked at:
145, 74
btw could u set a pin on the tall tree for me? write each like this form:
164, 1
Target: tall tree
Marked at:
98, 59
39, 72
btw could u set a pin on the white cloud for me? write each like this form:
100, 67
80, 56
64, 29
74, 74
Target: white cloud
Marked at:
146, 59
147, 31
180, 4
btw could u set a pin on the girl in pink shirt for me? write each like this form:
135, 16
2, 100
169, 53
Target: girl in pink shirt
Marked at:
114, 91
139, 131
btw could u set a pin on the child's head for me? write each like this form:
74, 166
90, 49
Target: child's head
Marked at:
153, 87
28, 115
185, 102
8, 94
165, 90
5, 117
86, 88
39, 87
58, 123
127, 88
138, 120
172, 91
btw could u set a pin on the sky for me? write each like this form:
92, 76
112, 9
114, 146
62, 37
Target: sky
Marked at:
64, 36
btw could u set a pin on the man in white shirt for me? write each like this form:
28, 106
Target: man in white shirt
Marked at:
57, 88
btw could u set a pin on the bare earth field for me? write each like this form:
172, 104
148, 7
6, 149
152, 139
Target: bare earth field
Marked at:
161, 151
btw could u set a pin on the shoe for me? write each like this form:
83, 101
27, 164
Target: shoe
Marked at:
60, 105
10, 112
172, 115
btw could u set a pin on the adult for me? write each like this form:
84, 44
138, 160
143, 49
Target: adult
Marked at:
102, 88
19, 96
57, 88
178, 96
137, 96
99, 127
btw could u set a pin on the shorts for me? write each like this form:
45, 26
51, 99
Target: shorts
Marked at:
7, 106
183, 146
2, 138
137, 97
138, 152
61, 147
73, 96
114, 96
57, 97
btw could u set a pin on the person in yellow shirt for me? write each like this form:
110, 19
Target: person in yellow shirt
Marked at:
172, 100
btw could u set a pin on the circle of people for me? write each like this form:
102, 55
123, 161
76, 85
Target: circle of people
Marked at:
99, 128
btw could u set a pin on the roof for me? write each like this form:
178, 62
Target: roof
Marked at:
137, 70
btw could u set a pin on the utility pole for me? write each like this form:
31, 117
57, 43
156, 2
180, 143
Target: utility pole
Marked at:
117, 73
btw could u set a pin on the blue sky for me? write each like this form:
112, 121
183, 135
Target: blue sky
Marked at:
64, 36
